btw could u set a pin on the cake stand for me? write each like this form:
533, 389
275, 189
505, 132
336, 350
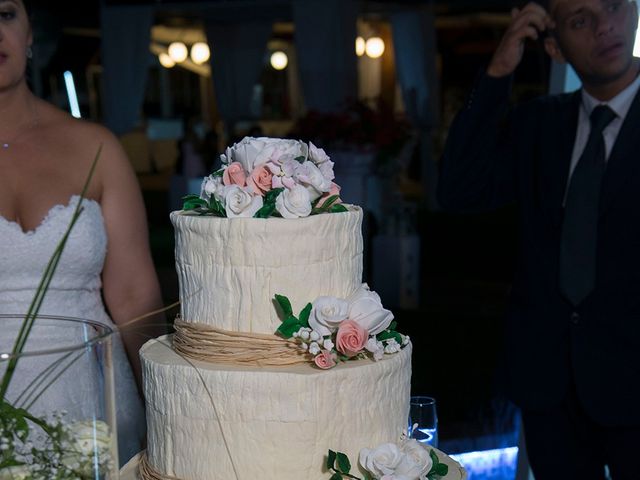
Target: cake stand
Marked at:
456, 472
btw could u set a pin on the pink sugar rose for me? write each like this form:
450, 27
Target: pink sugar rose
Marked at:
324, 360
335, 190
234, 175
351, 338
260, 179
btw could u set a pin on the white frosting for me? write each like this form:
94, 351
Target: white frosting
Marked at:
230, 269
277, 422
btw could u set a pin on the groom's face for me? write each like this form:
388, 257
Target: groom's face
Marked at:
595, 36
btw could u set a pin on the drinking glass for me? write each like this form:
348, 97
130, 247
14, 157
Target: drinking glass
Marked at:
423, 420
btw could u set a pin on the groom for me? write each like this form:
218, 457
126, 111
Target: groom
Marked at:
572, 164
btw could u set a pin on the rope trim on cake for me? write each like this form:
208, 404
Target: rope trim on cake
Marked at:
147, 472
214, 345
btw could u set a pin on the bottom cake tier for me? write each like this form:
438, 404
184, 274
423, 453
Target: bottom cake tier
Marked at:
214, 422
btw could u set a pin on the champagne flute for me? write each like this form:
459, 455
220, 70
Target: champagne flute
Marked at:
423, 420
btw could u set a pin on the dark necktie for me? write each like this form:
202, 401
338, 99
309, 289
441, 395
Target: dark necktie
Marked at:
577, 269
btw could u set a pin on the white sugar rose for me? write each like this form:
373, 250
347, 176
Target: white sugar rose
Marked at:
311, 177
294, 202
241, 202
326, 169
416, 461
327, 313
246, 152
317, 155
367, 310
382, 460
275, 150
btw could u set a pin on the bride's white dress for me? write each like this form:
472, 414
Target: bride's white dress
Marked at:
74, 292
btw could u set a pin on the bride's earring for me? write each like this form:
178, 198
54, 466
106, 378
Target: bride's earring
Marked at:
29, 52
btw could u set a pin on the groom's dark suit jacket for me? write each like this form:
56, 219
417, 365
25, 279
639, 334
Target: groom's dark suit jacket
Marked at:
495, 155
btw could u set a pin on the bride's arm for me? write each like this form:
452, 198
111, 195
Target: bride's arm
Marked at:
130, 283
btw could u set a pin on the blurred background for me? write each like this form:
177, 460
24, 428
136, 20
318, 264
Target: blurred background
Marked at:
374, 83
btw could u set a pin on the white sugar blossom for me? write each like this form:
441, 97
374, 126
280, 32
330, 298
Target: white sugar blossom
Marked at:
366, 309
392, 346
314, 348
211, 185
304, 335
375, 347
327, 313
294, 202
314, 336
240, 201
304, 346
312, 178
328, 344
405, 339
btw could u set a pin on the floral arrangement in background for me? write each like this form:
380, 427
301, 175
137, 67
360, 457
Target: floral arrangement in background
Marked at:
264, 177
333, 330
406, 460
357, 127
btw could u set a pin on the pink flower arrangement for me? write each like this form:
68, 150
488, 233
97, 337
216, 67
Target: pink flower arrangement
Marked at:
333, 330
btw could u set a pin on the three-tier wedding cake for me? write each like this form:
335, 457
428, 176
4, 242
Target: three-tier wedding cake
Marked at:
267, 247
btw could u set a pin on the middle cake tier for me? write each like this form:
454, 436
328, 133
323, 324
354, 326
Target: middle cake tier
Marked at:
206, 421
230, 269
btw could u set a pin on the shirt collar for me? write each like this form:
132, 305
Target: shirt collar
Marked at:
620, 104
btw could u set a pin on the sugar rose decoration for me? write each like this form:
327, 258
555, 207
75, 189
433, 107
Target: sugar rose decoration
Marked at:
333, 330
269, 177
406, 460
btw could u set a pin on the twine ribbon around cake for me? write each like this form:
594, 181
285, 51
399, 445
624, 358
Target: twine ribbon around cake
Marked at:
198, 341
147, 472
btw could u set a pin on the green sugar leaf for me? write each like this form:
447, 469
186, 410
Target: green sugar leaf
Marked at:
338, 208
304, 315
271, 195
441, 470
344, 465
290, 326
285, 305
336, 476
331, 459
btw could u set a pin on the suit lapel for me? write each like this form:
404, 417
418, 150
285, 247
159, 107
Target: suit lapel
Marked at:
623, 160
556, 157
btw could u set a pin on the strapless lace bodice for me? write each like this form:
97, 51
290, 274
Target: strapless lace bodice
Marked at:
75, 291
24, 255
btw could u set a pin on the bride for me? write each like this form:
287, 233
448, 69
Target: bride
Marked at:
45, 157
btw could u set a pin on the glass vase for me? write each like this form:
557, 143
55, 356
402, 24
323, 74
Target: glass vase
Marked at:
57, 410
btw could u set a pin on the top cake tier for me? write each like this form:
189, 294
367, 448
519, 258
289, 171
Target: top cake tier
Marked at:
229, 270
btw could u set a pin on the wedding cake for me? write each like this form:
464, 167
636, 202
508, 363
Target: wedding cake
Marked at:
226, 398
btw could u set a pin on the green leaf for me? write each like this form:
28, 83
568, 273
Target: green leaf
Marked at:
304, 315
336, 476
387, 335
331, 459
368, 476
285, 305
344, 465
271, 195
300, 159
191, 196
193, 203
434, 459
393, 325
218, 173
290, 326
217, 207
330, 201
441, 469
266, 210
338, 208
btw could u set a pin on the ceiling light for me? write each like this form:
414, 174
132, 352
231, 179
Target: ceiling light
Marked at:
279, 60
166, 61
178, 52
360, 46
200, 53
374, 47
